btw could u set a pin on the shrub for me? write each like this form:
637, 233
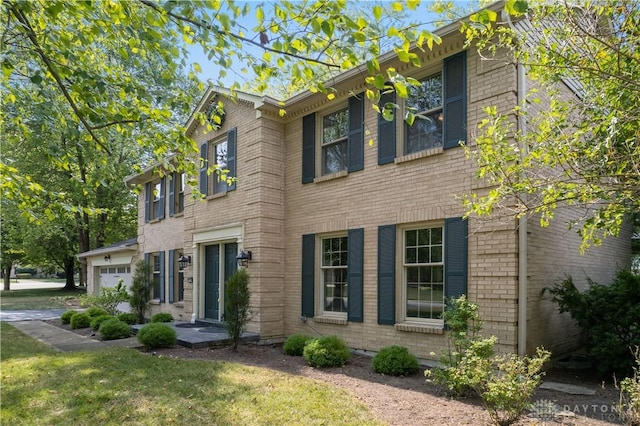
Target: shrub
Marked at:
157, 335
80, 320
328, 351
109, 298
608, 316
629, 405
236, 305
294, 345
113, 329
97, 321
96, 311
66, 316
162, 317
395, 361
128, 317
140, 291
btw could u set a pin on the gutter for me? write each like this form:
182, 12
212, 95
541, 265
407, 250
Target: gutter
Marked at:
522, 221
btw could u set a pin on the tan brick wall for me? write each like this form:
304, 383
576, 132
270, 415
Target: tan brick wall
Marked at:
420, 190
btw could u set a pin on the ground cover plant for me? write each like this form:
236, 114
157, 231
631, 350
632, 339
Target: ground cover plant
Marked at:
124, 386
40, 298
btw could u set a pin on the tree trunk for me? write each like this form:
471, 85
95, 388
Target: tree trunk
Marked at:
69, 266
7, 278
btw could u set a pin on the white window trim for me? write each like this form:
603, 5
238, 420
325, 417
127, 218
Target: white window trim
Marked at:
429, 322
320, 273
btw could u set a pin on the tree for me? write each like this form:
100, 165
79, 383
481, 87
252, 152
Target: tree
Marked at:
581, 152
11, 250
236, 305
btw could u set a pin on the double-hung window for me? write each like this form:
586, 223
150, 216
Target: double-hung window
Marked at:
221, 155
335, 130
334, 274
425, 102
154, 200
156, 276
424, 273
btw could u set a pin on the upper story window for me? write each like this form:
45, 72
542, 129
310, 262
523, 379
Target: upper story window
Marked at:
334, 274
154, 200
220, 154
425, 102
335, 129
176, 194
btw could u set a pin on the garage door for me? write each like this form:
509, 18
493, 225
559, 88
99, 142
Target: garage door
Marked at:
111, 276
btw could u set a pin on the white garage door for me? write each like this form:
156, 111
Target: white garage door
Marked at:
110, 277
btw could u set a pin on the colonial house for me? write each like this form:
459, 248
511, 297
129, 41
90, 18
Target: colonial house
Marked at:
361, 241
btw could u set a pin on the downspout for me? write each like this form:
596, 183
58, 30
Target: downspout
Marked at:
522, 221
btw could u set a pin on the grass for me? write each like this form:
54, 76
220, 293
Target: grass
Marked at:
41, 298
124, 386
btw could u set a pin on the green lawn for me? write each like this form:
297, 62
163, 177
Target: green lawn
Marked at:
123, 386
41, 298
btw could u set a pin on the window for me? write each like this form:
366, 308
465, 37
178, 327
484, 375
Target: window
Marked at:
220, 153
178, 281
154, 200
425, 101
335, 129
424, 273
157, 272
334, 274
176, 193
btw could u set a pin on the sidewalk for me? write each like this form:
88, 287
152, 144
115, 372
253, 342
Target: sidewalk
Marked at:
68, 341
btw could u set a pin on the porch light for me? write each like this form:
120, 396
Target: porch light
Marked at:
107, 258
243, 258
184, 261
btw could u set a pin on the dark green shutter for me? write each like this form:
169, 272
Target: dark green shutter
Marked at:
455, 100
455, 257
204, 177
355, 259
147, 201
308, 148
172, 260
386, 132
355, 141
387, 274
308, 274
161, 198
172, 195
161, 254
231, 155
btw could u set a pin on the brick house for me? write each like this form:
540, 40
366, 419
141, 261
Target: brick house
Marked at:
363, 242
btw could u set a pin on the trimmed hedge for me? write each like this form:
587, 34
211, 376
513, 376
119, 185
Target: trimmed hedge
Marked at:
157, 335
97, 321
395, 361
162, 317
80, 320
96, 311
328, 351
294, 345
128, 317
66, 316
113, 329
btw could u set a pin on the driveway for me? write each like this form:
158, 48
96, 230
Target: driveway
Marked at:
31, 315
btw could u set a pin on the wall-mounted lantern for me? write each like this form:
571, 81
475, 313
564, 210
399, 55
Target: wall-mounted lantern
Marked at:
107, 258
184, 261
243, 258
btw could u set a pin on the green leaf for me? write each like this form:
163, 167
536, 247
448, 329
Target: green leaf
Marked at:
377, 12
327, 28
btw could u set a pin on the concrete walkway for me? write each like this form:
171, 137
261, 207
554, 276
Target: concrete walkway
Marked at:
31, 315
68, 341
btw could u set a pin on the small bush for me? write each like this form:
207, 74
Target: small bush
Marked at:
294, 345
162, 317
236, 305
395, 361
140, 298
97, 321
328, 351
109, 298
157, 335
128, 317
66, 316
629, 406
113, 329
96, 311
80, 320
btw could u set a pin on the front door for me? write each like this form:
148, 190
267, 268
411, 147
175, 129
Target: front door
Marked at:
220, 264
